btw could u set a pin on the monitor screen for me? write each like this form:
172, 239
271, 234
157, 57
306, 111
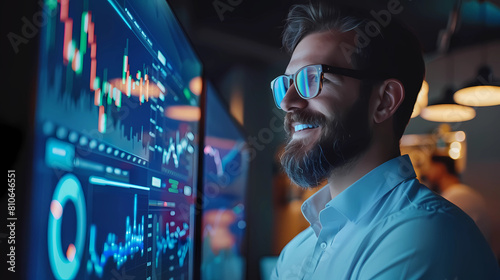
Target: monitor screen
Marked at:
116, 143
226, 166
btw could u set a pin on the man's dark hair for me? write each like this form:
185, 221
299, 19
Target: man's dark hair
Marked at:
394, 51
448, 162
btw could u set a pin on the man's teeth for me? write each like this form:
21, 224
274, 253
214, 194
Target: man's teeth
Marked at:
300, 127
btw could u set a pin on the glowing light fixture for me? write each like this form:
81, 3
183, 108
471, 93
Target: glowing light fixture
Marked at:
484, 90
183, 113
454, 150
422, 99
196, 85
446, 110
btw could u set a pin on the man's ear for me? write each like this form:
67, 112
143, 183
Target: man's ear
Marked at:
388, 98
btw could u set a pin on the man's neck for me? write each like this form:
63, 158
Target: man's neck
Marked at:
342, 177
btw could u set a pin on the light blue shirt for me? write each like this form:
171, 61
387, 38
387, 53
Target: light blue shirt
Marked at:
386, 226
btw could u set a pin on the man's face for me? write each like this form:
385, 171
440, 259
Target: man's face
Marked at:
328, 131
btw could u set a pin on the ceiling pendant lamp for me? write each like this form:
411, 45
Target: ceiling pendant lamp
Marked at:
484, 90
447, 111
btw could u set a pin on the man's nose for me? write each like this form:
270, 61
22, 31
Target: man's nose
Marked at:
292, 100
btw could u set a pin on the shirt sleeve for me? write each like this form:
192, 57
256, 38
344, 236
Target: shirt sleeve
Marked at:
437, 246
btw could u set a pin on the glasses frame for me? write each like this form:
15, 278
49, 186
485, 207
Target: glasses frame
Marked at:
322, 69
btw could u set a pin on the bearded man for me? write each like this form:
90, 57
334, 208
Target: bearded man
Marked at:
348, 93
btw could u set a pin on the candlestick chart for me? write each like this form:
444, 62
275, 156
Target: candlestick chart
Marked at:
112, 84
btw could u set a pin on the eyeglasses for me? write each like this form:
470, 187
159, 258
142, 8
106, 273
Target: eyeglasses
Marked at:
308, 80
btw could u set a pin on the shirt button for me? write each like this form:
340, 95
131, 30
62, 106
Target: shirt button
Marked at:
323, 245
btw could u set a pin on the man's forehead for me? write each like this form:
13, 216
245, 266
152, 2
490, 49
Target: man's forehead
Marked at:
321, 48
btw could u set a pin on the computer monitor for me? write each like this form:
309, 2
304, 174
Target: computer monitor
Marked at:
226, 166
114, 181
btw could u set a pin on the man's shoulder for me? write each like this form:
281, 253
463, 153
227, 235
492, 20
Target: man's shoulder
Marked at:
431, 223
422, 208
431, 236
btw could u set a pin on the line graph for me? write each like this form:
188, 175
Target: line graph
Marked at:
170, 240
171, 245
175, 148
119, 252
215, 154
219, 160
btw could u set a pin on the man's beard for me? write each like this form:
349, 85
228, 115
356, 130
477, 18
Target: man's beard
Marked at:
342, 140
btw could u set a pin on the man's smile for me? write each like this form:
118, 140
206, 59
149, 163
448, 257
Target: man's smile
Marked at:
300, 127
304, 130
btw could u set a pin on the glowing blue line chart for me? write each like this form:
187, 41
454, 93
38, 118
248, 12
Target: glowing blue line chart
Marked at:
119, 252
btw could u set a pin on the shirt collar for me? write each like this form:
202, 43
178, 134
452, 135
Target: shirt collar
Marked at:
358, 198
313, 205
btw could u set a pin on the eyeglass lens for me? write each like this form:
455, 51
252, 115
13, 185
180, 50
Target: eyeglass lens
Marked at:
307, 83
